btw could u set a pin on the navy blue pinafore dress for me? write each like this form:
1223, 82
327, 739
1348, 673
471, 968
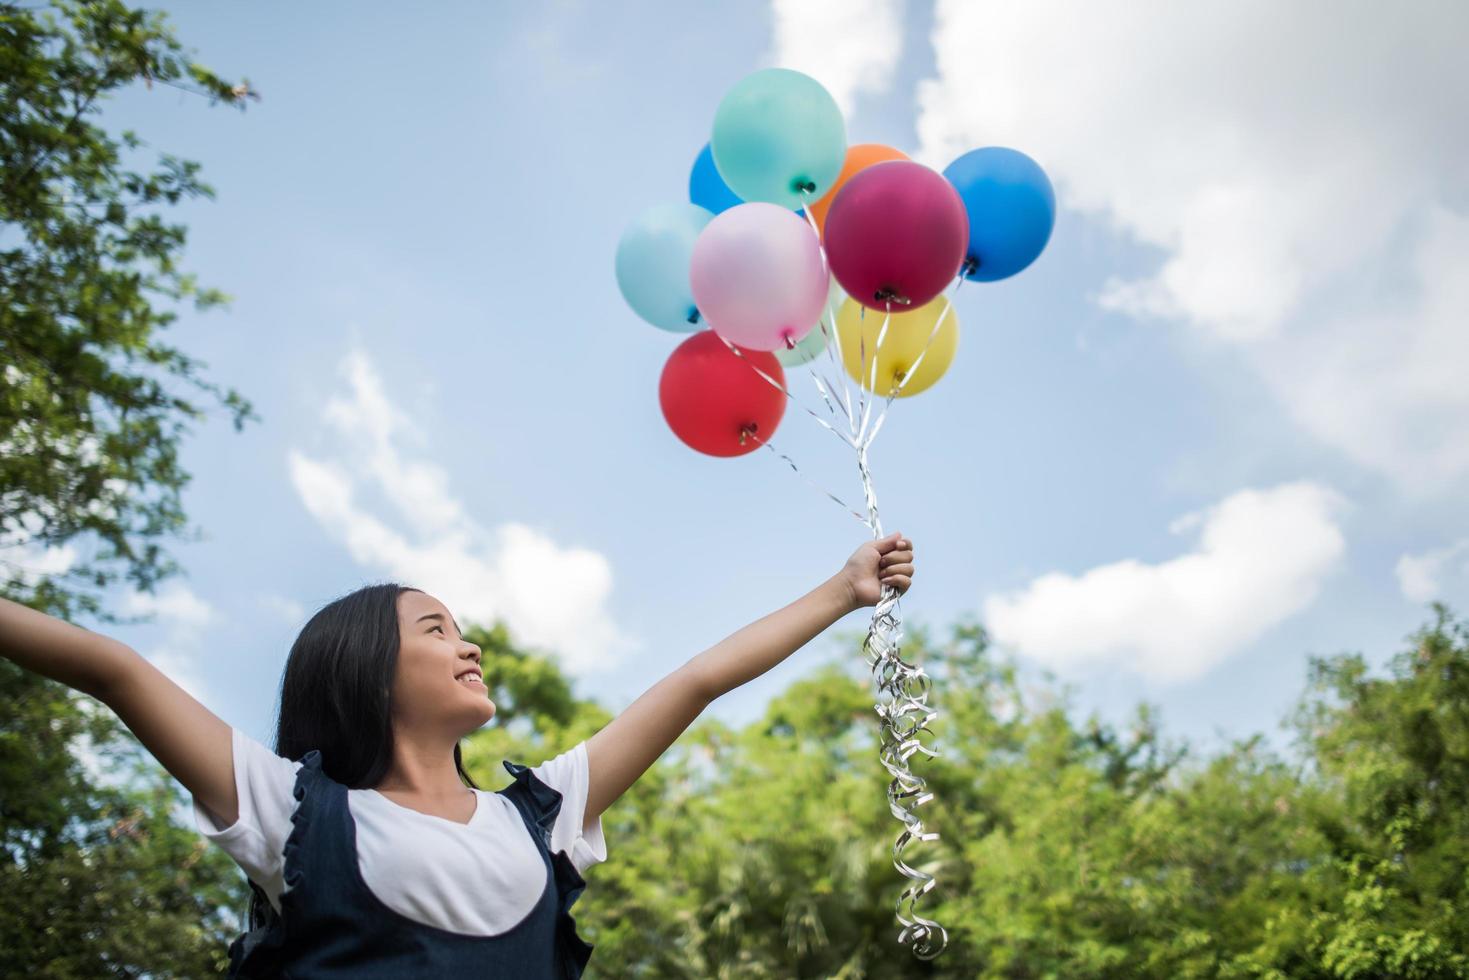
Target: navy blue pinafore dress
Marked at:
332, 925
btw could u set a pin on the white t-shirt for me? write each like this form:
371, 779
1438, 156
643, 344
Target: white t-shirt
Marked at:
479, 878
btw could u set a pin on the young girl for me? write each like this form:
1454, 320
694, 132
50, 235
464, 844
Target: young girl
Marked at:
369, 850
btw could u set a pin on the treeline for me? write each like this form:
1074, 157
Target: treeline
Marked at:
1069, 848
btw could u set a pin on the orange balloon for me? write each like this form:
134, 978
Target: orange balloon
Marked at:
859, 157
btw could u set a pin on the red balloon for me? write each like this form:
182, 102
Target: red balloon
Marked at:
896, 234
715, 402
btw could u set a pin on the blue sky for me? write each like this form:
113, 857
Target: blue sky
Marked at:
1218, 426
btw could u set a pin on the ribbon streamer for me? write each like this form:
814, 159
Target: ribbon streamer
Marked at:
948, 305
747, 433
903, 712
902, 688
782, 389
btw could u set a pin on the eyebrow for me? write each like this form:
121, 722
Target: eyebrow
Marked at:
440, 616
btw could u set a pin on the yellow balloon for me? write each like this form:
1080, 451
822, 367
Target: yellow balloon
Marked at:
906, 338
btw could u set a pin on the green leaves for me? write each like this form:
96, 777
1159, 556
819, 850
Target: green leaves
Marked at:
97, 876
1069, 848
93, 404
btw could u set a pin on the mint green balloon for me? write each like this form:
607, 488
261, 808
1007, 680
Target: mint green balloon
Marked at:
808, 348
811, 346
776, 132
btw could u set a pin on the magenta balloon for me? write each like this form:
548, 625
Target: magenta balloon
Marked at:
896, 231
757, 276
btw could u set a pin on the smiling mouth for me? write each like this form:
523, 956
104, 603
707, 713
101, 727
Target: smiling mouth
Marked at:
471, 679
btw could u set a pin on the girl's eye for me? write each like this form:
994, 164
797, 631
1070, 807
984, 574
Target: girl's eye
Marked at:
439, 628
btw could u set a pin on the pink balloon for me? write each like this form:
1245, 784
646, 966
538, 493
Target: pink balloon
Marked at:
757, 276
896, 233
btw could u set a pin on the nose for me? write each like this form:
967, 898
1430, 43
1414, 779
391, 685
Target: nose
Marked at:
474, 653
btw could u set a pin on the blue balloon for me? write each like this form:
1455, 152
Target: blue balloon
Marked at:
653, 265
1011, 208
706, 188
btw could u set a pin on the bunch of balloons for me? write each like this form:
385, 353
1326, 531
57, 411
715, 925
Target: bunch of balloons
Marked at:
794, 245
791, 238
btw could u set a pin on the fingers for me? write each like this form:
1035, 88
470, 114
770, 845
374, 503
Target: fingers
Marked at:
895, 569
891, 542
899, 582
895, 558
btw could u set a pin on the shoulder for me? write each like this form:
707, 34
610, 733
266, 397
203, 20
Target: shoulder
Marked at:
566, 772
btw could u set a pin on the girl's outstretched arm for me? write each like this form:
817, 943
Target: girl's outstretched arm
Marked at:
189, 740
624, 749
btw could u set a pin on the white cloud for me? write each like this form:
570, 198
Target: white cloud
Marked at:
22, 559
288, 610
176, 603
550, 595
1260, 558
100, 767
850, 47
27, 564
1421, 576
1299, 166
185, 617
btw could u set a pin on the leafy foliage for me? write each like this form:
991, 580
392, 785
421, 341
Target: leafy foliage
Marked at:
1069, 849
97, 876
89, 277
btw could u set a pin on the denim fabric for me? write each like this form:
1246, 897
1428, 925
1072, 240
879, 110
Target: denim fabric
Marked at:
332, 925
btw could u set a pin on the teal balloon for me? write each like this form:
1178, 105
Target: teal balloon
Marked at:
653, 265
776, 132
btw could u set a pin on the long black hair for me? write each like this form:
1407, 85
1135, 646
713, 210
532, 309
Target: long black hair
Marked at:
336, 696
336, 692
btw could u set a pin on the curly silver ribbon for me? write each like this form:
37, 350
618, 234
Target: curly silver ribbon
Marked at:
903, 711
902, 688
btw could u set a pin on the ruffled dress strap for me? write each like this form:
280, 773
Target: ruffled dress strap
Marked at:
539, 806
306, 824
260, 951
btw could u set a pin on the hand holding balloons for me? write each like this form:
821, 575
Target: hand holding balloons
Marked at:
749, 277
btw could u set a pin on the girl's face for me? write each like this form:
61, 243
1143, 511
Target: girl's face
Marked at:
438, 681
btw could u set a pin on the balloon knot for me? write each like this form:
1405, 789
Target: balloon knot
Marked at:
790, 344
803, 185
971, 266
694, 316
747, 431
890, 295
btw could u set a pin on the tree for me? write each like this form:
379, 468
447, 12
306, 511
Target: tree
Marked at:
1389, 770
97, 878
90, 420
1069, 848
